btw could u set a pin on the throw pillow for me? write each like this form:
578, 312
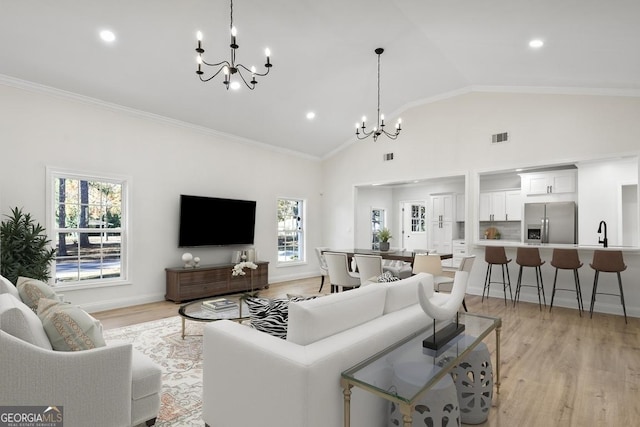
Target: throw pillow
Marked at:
269, 315
6, 287
31, 290
20, 321
69, 327
387, 277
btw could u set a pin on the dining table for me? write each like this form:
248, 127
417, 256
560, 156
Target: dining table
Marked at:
391, 254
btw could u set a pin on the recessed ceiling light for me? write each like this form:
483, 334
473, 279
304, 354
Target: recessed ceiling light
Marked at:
107, 36
536, 43
311, 115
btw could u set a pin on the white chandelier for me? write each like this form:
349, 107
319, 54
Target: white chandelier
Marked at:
379, 128
230, 68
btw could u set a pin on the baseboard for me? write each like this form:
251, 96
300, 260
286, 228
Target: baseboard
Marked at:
121, 302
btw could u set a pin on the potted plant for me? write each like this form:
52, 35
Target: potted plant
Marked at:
384, 235
24, 248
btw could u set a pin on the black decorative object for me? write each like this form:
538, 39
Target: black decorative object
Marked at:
440, 338
230, 68
379, 128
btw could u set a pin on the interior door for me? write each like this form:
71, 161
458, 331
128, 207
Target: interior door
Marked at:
414, 232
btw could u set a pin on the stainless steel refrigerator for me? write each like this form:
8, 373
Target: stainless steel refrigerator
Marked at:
554, 222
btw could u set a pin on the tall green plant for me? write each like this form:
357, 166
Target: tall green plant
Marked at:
24, 248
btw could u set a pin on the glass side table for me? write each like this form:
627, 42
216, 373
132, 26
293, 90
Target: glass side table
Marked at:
372, 374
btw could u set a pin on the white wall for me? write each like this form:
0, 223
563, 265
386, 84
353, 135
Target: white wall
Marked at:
368, 198
164, 160
453, 137
600, 198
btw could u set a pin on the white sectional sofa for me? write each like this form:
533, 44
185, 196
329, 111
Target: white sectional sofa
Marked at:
254, 379
113, 385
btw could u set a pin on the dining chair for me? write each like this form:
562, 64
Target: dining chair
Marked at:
431, 264
466, 264
339, 274
369, 268
324, 270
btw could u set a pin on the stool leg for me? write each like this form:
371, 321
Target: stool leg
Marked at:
624, 309
504, 284
553, 293
321, 284
540, 286
576, 278
487, 281
508, 283
518, 285
593, 295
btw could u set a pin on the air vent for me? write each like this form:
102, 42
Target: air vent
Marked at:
499, 138
388, 156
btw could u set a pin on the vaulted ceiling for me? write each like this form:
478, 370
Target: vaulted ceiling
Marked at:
322, 54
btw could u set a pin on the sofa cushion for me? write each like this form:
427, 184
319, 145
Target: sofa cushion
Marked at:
31, 290
18, 320
6, 287
146, 376
69, 327
269, 315
404, 293
313, 320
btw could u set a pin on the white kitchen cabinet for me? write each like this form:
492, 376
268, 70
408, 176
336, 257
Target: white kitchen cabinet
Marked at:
500, 206
493, 206
459, 251
513, 203
442, 208
555, 182
441, 236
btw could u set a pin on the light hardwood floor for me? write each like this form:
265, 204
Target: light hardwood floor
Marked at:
558, 369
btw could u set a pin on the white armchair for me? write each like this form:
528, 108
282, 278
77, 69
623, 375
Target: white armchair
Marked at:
112, 385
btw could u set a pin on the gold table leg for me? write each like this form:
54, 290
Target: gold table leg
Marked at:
498, 358
406, 410
346, 391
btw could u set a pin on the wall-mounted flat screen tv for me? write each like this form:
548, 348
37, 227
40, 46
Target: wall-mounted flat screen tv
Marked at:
211, 221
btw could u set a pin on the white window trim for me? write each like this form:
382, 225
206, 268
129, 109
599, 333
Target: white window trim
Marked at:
126, 240
303, 250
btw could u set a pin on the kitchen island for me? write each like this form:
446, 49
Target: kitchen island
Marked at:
607, 282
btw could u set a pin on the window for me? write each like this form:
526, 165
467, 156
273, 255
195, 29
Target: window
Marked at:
377, 223
290, 231
417, 218
87, 222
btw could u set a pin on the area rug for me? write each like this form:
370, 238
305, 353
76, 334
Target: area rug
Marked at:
181, 362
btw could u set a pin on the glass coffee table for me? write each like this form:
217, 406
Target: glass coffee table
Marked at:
372, 374
196, 312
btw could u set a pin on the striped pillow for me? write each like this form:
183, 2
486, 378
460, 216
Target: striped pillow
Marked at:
269, 315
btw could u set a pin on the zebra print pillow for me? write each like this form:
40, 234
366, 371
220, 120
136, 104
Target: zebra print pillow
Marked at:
269, 315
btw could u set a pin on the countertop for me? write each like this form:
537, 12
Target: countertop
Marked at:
515, 244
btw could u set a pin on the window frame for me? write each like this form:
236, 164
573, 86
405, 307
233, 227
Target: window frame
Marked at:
52, 174
301, 231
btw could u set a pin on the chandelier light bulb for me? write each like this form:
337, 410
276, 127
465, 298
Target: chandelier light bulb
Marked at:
267, 52
199, 59
357, 126
225, 70
382, 117
364, 119
234, 32
199, 36
235, 85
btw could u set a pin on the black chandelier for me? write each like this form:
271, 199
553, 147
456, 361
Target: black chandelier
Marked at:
229, 69
379, 128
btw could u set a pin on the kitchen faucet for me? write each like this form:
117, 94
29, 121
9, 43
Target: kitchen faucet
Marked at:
605, 241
